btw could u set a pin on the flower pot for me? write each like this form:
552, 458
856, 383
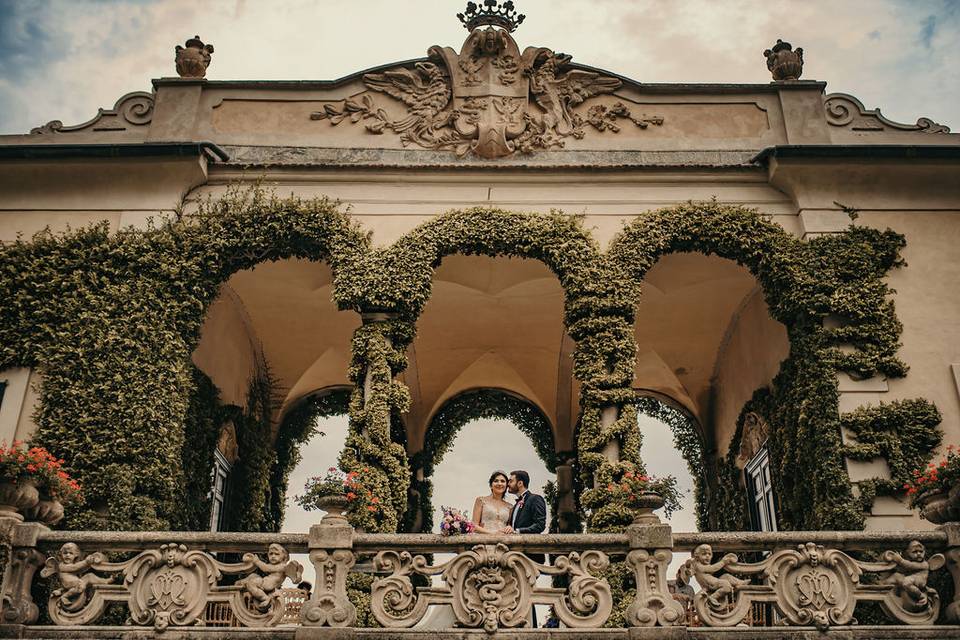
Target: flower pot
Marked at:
16, 497
47, 510
940, 506
644, 505
334, 505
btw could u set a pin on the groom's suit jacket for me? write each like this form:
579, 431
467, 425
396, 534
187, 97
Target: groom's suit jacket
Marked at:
532, 516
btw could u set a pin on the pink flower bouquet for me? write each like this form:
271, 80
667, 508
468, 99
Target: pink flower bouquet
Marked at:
455, 522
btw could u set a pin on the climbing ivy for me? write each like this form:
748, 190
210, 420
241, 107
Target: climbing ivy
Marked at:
110, 320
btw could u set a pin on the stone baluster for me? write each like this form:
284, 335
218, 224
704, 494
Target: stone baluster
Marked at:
16, 604
651, 549
331, 551
952, 554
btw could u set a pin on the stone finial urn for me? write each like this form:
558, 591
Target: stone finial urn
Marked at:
17, 496
193, 59
335, 506
940, 507
783, 62
645, 505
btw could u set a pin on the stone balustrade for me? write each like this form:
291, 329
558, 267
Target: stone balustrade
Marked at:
736, 583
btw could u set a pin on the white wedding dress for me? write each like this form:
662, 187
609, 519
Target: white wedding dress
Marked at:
493, 516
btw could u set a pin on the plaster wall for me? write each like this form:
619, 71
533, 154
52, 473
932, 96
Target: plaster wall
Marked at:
61, 194
748, 359
19, 399
226, 351
929, 308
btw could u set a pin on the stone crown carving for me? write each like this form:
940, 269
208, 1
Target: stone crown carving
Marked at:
489, 99
491, 13
133, 109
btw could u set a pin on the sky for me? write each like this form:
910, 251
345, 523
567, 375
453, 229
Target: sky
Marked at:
63, 59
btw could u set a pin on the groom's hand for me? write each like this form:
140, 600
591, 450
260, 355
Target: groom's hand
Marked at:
507, 529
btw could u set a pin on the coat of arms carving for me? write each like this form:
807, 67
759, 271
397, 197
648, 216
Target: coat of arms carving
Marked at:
479, 100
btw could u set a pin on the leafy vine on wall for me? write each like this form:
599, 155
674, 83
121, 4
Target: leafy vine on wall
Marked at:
110, 320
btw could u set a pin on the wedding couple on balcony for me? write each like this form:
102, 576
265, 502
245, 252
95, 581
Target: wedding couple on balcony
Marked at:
494, 514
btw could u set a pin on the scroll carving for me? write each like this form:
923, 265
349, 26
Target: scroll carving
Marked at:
812, 585
490, 99
133, 109
169, 586
755, 433
491, 587
844, 110
653, 604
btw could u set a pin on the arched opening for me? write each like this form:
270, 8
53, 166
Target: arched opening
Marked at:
706, 343
491, 344
276, 351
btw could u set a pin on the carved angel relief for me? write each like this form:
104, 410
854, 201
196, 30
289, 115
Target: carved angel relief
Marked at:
169, 586
480, 99
813, 585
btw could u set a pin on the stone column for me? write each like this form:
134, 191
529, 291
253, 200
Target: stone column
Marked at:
16, 603
651, 551
566, 501
331, 552
952, 553
609, 415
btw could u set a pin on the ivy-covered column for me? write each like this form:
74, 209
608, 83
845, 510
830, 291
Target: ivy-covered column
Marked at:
379, 463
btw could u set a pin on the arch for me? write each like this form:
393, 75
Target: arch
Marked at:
488, 403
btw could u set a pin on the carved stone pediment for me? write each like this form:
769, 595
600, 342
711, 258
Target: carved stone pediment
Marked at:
132, 110
844, 110
489, 99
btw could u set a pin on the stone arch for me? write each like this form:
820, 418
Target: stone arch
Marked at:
557, 242
776, 260
447, 421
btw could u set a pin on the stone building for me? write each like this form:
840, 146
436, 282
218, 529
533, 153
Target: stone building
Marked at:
494, 125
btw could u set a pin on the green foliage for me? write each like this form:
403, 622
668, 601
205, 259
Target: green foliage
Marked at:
298, 427
110, 320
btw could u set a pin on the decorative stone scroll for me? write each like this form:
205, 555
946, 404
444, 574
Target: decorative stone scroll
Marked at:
491, 587
169, 586
133, 109
812, 585
490, 99
844, 110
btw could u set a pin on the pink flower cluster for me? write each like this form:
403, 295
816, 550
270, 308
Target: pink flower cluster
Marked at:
455, 522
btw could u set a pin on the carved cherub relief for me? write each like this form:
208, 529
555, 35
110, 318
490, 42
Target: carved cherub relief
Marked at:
911, 574
718, 589
278, 568
72, 570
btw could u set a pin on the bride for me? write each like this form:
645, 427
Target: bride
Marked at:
492, 513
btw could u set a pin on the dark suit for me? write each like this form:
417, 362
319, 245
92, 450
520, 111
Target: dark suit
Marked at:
531, 518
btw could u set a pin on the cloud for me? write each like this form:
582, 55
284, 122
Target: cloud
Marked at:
927, 29
69, 58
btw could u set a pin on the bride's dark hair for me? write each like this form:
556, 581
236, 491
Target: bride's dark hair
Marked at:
493, 476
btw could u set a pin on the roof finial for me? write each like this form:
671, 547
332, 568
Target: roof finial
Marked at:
491, 13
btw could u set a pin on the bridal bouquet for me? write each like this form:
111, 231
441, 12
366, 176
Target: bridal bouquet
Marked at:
455, 522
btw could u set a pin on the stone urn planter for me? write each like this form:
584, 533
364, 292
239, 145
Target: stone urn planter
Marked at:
645, 505
334, 505
17, 496
48, 511
940, 507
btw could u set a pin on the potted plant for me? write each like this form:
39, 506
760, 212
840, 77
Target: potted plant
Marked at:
338, 493
644, 494
33, 484
936, 489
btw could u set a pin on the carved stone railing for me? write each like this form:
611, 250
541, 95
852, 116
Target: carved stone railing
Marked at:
169, 580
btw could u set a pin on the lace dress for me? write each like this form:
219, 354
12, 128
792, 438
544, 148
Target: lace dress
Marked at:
494, 516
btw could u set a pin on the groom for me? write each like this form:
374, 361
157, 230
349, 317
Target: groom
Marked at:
529, 514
